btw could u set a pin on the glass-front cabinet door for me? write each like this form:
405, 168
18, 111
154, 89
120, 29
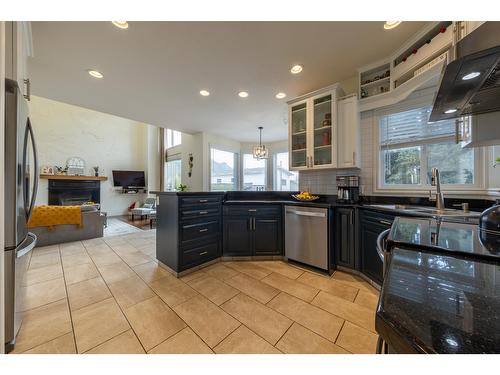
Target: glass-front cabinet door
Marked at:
298, 136
323, 131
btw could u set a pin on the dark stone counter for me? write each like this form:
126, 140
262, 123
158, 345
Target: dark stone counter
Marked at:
436, 303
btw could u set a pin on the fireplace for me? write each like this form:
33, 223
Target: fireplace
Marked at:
73, 192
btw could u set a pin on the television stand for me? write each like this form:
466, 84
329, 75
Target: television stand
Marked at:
132, 190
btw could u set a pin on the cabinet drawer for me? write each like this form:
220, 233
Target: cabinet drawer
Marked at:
200, 200
199, 230
268, 210
196, 212
199, 255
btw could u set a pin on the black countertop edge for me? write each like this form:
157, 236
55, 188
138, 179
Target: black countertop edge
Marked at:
401, 341
188, 193
263, 197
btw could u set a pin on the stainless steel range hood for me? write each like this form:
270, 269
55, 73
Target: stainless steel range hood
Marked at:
478, 52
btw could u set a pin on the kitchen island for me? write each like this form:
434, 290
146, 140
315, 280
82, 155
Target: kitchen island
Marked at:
441, 290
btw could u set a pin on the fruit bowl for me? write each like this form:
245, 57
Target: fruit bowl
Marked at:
305, 198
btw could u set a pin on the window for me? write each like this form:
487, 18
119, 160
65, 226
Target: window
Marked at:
172, 138
223, 170
284, 180
173, 172
410, 147
254, 173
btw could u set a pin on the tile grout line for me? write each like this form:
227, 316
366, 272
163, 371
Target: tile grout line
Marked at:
112, 296
293, 320
157, 295
67, 300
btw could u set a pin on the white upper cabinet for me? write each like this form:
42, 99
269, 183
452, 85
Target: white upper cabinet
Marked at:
348, 133
19, 48
313, 130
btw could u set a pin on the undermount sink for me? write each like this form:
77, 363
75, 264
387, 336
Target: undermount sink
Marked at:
428, 211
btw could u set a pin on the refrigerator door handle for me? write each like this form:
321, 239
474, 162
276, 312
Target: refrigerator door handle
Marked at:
30, 203
28, 245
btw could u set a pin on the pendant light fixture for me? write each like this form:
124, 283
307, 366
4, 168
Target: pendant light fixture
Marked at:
260, 151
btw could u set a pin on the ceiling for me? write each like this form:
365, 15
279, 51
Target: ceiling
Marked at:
153, 71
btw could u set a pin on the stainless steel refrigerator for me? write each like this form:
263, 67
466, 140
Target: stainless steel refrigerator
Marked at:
21, 184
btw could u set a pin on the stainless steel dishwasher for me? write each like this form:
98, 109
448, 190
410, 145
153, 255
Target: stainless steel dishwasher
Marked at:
306, 235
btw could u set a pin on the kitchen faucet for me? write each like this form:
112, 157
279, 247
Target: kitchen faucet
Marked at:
435, 181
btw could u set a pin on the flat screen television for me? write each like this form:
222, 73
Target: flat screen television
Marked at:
129, 179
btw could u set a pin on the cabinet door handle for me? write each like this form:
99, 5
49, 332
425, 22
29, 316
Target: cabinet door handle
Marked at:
203, 212
203, 253
354, 158
385, 222
203, 230
253, 223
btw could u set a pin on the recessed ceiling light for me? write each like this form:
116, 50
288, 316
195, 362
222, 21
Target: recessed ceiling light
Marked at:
471, 76
243, 94
120, 24
391, 24
296, 69
95, 73
204, 93
280, 95
451, 110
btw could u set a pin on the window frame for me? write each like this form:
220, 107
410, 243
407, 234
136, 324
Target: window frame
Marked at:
174, 157
167, 130
236, 167
420, 99
275, 169
242, 167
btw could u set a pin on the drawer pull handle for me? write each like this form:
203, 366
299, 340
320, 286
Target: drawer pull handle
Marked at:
203, 201
203, 230
385, 222
203, 253
203, 212
252, 210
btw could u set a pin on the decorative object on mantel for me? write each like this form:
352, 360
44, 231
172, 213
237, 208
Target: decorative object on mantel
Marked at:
182, 187
190, 163
61, 171
76, 166
96, 171
260, 151
47, 169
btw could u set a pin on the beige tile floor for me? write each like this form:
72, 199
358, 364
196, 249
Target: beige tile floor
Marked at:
110, 296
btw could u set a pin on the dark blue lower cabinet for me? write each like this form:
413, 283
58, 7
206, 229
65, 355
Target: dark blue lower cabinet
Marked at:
257, 232
371, 225
268, 236
345, 237
237, 239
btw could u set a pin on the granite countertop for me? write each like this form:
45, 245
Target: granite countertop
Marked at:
438, 303
441, 290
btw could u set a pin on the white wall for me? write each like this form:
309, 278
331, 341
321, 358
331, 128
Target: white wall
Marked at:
103, 140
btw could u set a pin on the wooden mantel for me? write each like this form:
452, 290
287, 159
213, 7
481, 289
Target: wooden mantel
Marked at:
66, 177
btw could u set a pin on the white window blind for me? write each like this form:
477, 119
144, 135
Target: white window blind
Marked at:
398, 129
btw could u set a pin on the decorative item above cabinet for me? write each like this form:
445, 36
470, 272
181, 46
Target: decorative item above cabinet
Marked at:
416, 64
313, 129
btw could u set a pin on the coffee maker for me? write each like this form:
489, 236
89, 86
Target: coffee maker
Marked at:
347, 189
